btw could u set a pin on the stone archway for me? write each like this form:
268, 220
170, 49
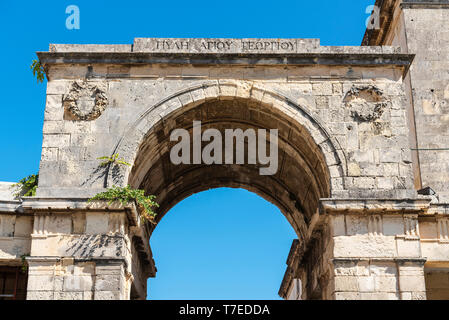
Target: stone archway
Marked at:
307, 151
314, 130
310, 163
345, 181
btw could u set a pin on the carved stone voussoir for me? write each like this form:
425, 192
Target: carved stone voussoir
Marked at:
86, 101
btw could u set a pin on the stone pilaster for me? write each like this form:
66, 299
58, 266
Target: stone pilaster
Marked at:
93, 252
376, 249
412, 284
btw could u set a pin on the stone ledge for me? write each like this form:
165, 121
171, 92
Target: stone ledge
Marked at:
10, 206
107, 261
365, 58
90, 48
376, 206
36, 204
387, 259
219, 46
438, 209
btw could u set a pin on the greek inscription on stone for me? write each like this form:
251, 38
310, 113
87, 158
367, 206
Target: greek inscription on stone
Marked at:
267, 46
217, 45
226, 45
172, 45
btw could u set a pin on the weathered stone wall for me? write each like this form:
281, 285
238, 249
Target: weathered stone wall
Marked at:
377, 257
344, 102
345, 115
428, 39
87, 254
362, 108
15, 240
420, 27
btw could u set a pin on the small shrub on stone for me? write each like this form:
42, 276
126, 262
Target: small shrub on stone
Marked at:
26, 187
127, 195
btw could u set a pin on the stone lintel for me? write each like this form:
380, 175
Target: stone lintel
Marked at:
10, 207
438, 209
366, 59
35, 204
45, 259
11, 262
399, 260
374, 206
98, 260
219, 46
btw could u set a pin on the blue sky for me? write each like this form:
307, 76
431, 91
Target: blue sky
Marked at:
218, 244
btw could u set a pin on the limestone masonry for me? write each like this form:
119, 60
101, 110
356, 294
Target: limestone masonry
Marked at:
363, 173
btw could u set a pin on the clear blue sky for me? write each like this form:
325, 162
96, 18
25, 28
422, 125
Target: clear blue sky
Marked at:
218, 244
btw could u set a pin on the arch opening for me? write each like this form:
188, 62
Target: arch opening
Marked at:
304, 174
301, 180
220, 244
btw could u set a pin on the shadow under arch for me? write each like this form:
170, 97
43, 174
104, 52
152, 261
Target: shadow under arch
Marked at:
309, 158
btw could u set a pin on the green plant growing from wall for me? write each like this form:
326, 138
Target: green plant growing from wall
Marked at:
126, 195
26, 187
112, 160
38, 70
24, 267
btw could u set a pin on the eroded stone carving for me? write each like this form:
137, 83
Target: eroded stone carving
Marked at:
86, 101
366, 103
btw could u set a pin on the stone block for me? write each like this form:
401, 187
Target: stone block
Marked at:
107, 283
347, 295
356, 225
78, 283
40, 295
322, 89
346, 283
23, 226
68, 296
408, 248
97, 223
366, 284
386, 284
40, 282
390, 155
56, 140
339, 225
107, 295
412, 283
7, 223
354, 169
379, 296
384, 183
